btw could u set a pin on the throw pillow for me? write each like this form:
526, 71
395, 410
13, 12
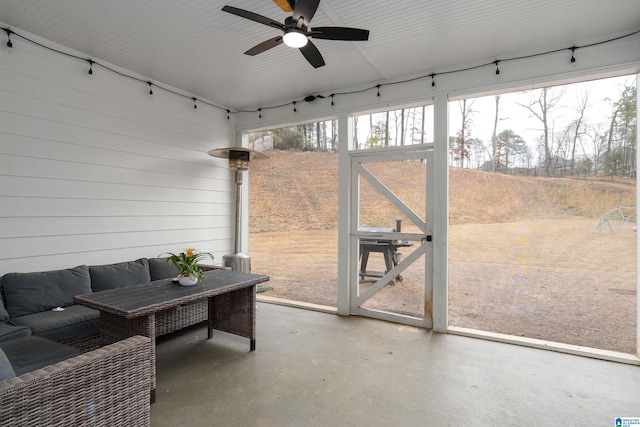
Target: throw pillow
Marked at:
6, 370
4, 316
110, 276
27, 293
161, 269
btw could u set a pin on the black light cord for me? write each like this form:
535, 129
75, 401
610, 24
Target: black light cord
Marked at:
93, 62
311, 98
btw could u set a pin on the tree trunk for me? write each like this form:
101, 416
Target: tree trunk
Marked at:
402, 127
386, 130
494, 135
422, 126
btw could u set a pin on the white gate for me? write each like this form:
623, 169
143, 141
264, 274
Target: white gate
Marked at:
390, 234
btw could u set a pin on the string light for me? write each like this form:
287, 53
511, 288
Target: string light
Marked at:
294, 107
9, 44
333, 95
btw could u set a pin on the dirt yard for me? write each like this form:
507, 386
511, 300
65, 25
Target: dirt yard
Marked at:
586, 296
523, 257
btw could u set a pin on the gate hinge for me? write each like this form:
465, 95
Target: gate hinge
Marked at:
426, 239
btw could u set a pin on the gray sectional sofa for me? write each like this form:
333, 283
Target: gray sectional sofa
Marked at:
49, 345
41, 303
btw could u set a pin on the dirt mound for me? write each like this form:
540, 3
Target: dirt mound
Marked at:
299, 191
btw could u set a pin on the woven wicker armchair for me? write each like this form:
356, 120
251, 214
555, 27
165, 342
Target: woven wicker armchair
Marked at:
109, 386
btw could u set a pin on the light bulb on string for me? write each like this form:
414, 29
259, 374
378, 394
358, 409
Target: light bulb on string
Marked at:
9, 43
294, 107
228, 114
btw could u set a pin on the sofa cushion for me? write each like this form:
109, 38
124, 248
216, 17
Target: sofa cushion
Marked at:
4, 315
161, 269
28, 293
73, 321
111, 276
11, 332
6, 370
31, 353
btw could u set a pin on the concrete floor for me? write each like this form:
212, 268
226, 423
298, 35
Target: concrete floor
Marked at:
312, 368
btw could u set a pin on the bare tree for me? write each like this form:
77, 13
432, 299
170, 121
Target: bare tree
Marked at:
463, 137
355, 132
577, 124
494, 135
386, 129
541, 107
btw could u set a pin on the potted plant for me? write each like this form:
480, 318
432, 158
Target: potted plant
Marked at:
187, 264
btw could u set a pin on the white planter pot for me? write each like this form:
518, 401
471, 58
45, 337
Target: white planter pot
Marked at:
187, 281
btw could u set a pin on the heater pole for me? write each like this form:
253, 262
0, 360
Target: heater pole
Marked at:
239, 162
238, 209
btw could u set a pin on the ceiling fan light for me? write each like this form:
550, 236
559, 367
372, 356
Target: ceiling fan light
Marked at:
295, 39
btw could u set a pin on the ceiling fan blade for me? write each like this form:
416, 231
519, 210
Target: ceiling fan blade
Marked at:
305, 9
311, 52
253, 17
285, 5
266, 45
340, 33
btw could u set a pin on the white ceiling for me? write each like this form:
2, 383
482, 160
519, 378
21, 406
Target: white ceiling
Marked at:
194, 46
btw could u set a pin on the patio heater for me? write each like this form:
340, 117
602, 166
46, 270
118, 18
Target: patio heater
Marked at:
238, 162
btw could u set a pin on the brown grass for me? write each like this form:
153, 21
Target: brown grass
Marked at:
299, 191
523, 257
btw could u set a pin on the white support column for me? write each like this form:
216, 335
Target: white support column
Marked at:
441, 214
345, 134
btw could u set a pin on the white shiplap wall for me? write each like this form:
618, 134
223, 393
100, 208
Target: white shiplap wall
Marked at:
94, 170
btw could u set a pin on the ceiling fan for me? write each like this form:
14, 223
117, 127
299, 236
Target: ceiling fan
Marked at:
296, 31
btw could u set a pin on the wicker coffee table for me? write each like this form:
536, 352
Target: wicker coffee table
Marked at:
131, 310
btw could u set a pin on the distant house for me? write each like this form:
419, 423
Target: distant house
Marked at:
559, 166
488, 167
